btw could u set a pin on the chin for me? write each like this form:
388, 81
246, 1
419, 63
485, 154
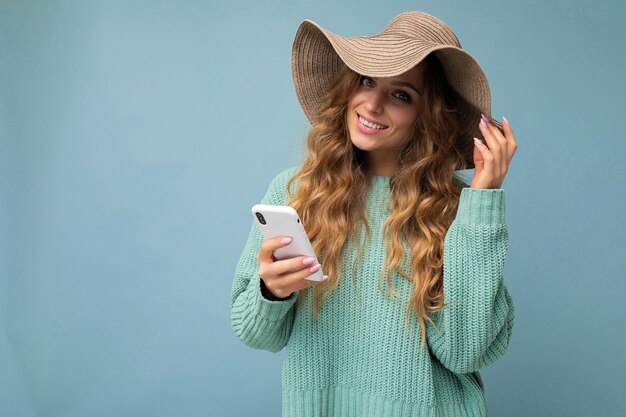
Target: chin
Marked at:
363, 145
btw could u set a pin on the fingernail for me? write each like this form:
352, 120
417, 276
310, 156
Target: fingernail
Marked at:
308, 261
478, 141
285, 240
483, 123
505, 121
315, 268
325, 277
485, 118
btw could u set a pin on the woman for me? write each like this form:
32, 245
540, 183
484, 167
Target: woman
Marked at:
393, 117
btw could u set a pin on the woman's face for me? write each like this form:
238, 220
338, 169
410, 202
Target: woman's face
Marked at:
381, 113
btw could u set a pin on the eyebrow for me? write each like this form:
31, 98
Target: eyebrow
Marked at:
405, 84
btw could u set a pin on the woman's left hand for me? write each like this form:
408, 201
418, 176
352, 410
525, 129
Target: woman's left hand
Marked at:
492, 160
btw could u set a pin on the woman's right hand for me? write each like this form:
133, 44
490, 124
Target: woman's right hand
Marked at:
274, 272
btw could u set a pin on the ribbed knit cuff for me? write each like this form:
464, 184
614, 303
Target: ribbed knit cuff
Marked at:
267, 294
267, 309
481, 206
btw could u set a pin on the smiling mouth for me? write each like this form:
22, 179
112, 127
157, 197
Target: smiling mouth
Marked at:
370, 124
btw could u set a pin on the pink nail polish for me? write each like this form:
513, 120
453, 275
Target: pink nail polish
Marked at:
483, 123
285, 240
315, 268
477, 141
308, 261
505, 121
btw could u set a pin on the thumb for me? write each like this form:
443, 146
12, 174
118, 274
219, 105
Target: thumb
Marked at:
479, 162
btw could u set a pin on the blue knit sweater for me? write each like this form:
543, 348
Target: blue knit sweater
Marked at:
357, 359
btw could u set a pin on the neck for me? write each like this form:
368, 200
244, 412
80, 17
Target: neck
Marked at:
381, 164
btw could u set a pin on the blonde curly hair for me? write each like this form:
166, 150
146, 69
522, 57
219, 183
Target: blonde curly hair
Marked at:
333, 182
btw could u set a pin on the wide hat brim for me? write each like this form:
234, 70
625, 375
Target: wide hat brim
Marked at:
317, 55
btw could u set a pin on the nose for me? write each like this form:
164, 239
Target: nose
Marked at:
374, 102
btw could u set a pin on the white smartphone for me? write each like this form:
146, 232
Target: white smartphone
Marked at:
284, 221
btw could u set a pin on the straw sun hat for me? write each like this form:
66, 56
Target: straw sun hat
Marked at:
317, 54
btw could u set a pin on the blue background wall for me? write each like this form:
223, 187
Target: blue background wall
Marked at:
134, 139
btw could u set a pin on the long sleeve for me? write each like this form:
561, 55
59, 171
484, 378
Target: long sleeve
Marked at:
475, 330
257, 321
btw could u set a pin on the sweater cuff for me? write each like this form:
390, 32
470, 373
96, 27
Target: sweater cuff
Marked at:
268, 309
481, 206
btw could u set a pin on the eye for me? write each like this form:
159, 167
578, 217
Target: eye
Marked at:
401, 95
367, 81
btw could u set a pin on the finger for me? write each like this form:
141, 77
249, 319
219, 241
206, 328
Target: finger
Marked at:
512, 143
495, 130
488, 159
284, 266
494, 147
502, 154
506, 137
479, 162
266, 251
307, 283
292, 281
490, 140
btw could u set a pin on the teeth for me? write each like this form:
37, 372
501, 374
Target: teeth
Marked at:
372, 125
